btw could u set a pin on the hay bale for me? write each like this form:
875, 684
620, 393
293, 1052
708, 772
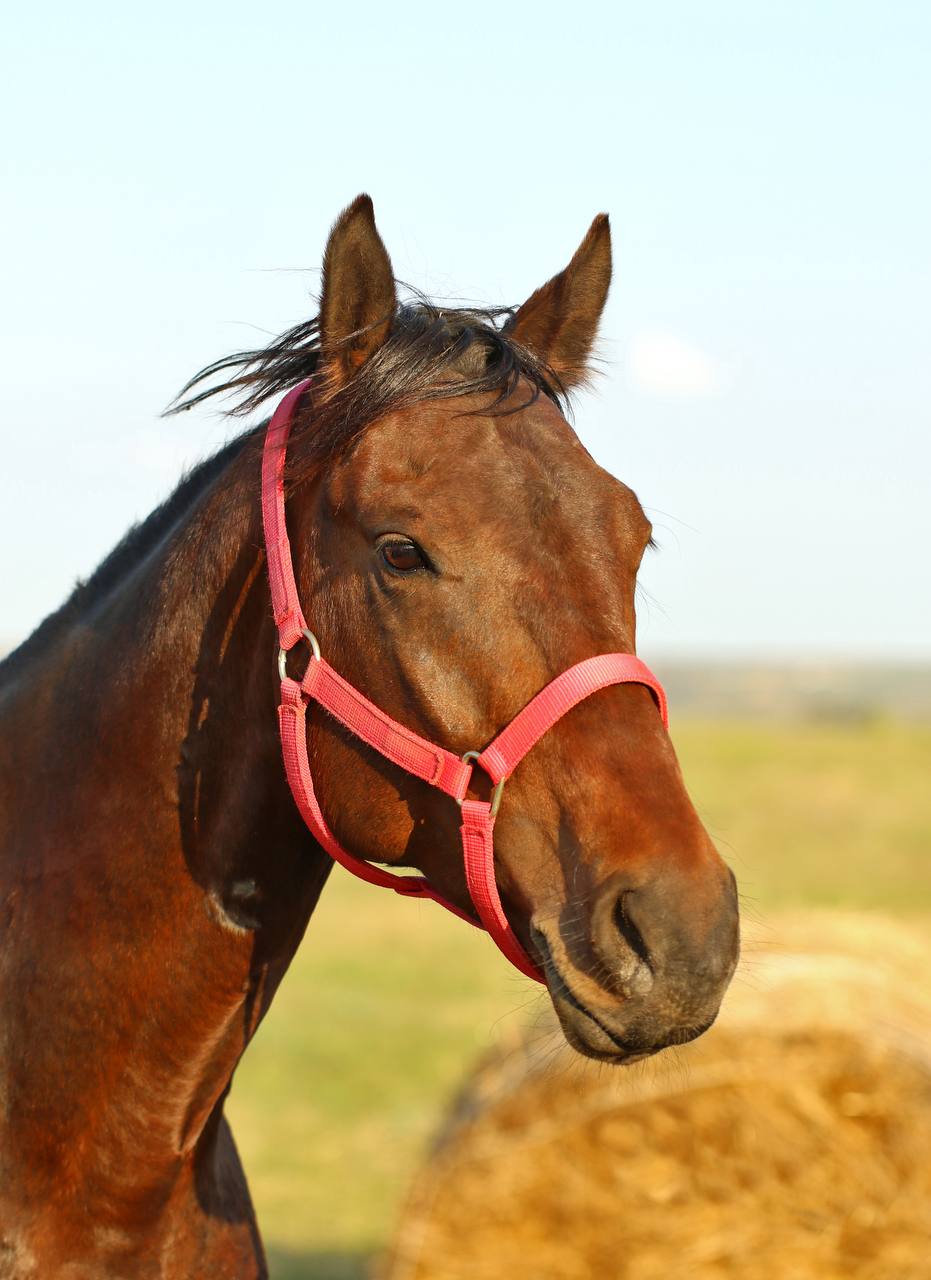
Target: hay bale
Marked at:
792, 1141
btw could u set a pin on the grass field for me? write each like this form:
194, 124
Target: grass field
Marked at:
389, 1001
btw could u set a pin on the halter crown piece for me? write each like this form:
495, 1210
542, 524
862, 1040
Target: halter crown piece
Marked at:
432, 764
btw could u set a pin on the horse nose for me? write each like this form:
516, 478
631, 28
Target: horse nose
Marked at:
667, 931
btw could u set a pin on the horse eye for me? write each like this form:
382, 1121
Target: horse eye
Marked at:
403, 557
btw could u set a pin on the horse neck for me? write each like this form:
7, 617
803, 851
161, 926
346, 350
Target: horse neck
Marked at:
168, 874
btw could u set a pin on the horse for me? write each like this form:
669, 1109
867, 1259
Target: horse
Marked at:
456, 548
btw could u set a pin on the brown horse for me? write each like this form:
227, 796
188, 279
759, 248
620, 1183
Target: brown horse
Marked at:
456, 548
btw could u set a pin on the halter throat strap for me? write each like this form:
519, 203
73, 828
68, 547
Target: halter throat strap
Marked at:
423, 759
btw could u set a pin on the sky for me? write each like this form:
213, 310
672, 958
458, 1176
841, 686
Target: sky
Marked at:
168, 175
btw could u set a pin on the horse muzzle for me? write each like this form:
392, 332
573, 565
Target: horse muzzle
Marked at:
652, 972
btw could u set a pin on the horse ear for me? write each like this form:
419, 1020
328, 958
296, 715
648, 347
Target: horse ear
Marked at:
560, 320
358, 300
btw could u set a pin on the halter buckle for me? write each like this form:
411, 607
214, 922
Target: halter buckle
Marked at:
499, 786
283, 653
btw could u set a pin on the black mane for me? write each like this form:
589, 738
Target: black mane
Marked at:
132, 549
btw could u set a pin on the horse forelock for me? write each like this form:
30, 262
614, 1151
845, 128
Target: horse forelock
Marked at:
432, 351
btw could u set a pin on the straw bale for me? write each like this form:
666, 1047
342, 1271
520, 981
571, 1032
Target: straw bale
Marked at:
792, 1142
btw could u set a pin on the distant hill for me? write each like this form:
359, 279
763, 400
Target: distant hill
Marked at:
804, 690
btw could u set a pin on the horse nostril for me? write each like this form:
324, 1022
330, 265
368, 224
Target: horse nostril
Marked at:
622, 952
628, 930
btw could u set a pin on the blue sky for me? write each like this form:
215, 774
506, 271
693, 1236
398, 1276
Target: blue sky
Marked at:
171, 173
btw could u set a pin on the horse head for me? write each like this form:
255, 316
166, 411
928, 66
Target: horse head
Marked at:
457, 548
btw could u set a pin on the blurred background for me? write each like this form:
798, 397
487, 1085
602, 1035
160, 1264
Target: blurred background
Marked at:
168, 176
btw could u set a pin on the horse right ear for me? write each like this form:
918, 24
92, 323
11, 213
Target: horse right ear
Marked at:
559, 322
358, 300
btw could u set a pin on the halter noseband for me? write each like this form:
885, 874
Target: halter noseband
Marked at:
425, 760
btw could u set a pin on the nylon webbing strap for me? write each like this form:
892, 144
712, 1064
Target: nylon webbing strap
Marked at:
292, 718
477, 831
398, 744
285, 603
502, 756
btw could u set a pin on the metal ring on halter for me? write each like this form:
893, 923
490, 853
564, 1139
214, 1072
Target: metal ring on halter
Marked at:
499, 786
283, 653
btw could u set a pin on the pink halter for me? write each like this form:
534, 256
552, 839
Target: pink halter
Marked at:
423, 759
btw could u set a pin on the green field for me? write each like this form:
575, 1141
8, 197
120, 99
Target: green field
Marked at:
388, 1001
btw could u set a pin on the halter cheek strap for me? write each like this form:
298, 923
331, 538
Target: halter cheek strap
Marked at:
425, 760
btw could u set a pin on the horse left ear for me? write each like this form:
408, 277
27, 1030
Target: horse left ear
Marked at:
559, 322
358, 300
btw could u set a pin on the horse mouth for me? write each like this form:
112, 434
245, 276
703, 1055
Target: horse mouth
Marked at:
598, 1041
590, 1034
583, 1029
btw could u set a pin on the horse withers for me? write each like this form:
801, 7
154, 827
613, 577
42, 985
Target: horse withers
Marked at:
455, 550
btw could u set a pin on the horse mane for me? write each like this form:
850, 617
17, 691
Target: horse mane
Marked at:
136, 544
431, 352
